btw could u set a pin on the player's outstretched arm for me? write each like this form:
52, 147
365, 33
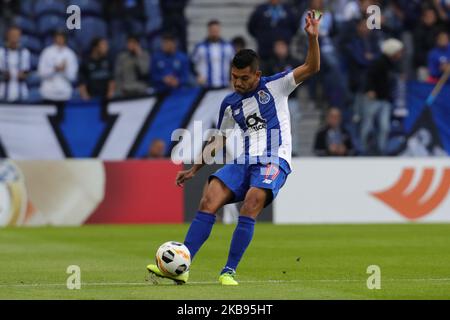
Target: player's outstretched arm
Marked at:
216, 143
312, 62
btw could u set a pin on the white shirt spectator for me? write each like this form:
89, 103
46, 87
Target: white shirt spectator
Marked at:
212, 62
12, 62
338, 8
57, 85
352, 11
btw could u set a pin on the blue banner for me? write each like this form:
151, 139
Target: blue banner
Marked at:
417, 94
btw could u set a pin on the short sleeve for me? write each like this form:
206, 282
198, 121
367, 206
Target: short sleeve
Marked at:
226, 120
283, 83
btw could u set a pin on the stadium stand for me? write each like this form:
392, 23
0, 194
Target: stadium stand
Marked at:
353, 52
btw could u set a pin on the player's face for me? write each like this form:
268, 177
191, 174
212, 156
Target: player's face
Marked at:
244, 80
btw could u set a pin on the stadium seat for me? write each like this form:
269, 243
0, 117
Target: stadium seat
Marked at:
34, 61
153, 14
34, 95
26, 24
32, 43
27, 8
89, 7
33, 79
136, 27
92, 27
44, 7
72, 43
47, 24
117, 43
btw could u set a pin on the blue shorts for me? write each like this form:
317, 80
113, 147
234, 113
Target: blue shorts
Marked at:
239, 178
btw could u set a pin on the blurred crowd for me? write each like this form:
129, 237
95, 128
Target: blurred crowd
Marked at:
129, 48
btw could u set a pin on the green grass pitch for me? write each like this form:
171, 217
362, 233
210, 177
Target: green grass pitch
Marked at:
282, 262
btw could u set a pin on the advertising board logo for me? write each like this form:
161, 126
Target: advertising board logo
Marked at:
416, 203
13, 199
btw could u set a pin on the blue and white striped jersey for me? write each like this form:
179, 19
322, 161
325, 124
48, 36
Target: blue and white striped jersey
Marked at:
263, 118
14, 62
212, 62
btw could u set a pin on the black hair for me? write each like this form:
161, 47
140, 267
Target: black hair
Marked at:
239, 41
440, 32
169, 36
133, 37
61, 33
246, 58
213, 22
95, 42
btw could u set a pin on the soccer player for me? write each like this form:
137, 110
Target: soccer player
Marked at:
259, 106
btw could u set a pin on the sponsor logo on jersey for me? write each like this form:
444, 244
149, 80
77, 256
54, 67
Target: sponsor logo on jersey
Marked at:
255, 123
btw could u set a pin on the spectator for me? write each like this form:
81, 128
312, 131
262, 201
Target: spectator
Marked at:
283, 61
439, 57
393, 20
212, 59
170, 67
174, 20
443, 8
239, 43
96, 73
157, 149
14, 68
269, 22
338, 8
379, 89
131, 70
362, 49
333, 139
425, 37
58, 68
355, 9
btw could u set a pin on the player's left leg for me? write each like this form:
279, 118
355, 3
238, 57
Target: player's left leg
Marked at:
253, 204
265, 183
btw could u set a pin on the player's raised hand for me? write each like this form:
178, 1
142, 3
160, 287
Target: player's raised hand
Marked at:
183, 176
312, 23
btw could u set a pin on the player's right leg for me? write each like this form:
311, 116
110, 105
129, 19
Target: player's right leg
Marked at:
216, 195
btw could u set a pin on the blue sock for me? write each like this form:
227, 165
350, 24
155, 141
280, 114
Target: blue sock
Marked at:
199, 231
242, 237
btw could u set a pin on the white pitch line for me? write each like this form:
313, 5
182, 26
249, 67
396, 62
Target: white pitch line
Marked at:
117, 284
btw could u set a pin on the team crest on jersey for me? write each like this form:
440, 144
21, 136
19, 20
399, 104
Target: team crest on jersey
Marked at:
263, 97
